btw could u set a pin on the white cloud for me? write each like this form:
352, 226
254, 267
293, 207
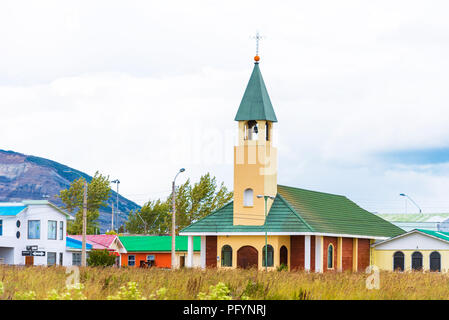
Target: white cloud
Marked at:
138, 89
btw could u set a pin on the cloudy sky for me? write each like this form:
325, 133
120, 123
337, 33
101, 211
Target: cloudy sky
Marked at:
138, 89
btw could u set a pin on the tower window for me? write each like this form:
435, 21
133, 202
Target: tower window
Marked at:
251, 130
267, 131
248, 197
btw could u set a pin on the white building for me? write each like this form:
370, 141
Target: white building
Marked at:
36, 223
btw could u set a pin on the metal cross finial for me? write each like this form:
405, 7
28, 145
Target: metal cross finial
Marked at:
258, 37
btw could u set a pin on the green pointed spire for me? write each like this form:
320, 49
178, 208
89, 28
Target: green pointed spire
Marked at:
256, 104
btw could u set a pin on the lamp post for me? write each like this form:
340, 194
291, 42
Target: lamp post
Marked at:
83, 248
266, 235
173, 222
117, 181
144, 223
404, 195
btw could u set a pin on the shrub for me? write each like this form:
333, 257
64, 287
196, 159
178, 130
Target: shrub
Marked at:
28, 295
100, 258
282, 267
72, 293
128, 292
218, 292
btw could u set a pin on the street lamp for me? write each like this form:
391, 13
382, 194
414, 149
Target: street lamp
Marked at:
117, 181
173, 222
404, 195
83, 248
266, 236
144, 223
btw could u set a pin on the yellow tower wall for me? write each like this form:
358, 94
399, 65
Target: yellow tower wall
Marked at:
255, 167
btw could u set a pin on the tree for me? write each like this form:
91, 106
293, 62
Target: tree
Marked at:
155, 214
72, 198
100, 258
192, 203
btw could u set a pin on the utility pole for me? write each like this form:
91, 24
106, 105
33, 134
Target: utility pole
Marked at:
83, 250
112, 219
117, 181
266, 235
173, 222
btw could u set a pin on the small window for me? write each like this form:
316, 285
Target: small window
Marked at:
18, 223
61, 259
61, 230
417, 261
51, 258
52, 225
435, 261
131, 261
150, 257
226, 256
76, 259
248, 197
398, 261
1, 227
330, 257
34, 229
269, 256
267, 131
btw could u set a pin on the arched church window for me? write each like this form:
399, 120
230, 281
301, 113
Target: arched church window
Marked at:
248, 197
269, 256
330, 257
226, 256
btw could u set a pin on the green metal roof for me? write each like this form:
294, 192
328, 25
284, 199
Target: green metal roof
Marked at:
439, 234
281, 218
331, 213
300, 210
256, 104
157, 243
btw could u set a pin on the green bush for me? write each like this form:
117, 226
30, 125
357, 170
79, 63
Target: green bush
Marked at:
218, 292
100, 258
129, 292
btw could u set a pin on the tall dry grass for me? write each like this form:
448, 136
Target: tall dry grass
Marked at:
99, 283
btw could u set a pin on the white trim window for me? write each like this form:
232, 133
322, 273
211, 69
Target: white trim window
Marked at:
51, 258
34, 229
1, 227
131, 260
61, 230
52, 228
76, 258
248, 197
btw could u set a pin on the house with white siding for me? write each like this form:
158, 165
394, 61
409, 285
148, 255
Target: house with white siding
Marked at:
33, 232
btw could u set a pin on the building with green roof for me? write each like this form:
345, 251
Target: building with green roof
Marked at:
144, 251
416, 250
268, 225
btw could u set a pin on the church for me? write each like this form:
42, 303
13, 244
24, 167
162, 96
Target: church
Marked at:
269, 226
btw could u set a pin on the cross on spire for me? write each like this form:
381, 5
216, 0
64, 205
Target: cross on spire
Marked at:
257, 37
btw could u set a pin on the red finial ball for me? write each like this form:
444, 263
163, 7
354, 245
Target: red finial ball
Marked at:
256, 58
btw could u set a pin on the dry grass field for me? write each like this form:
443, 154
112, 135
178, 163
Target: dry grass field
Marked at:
101, 283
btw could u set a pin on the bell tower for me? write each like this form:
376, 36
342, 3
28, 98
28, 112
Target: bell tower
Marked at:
255, 158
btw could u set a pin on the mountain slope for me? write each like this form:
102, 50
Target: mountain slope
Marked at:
29, 177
